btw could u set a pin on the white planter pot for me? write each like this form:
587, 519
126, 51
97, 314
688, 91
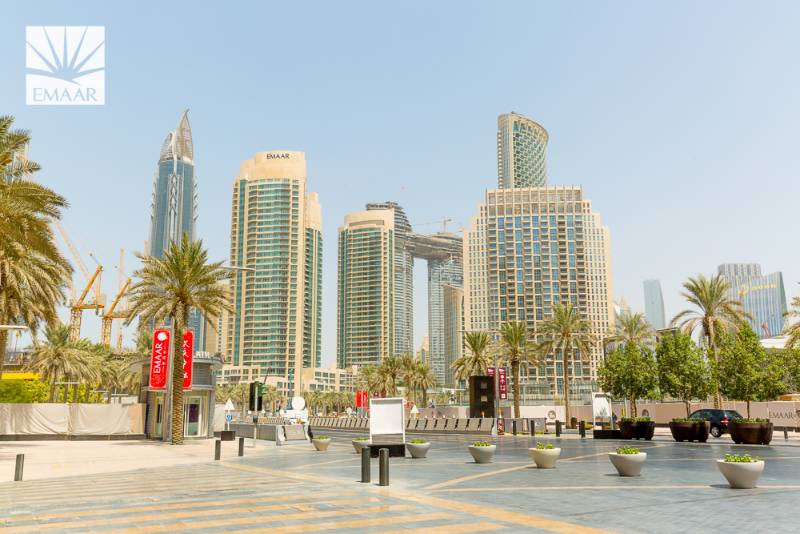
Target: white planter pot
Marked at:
482, 455
321, 444
359, 444
544, 458
741, 475
628, 465
418, 450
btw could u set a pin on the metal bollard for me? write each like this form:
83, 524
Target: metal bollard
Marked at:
18, 467
365, 464
217, 449
532, 426
514, 427
582, 429
383, 467
558, 428
241, 446
785, 433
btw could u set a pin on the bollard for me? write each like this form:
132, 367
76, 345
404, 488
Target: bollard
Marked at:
365, 464
582, 429
383, 467
785, 433
217, 449
558, 428
18, 467
514, 427
241, 446
532, 426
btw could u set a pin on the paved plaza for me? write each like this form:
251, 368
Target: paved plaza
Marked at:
296, 489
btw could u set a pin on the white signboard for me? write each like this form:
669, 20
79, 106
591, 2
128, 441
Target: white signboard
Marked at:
601, 406
229, 407
387, 417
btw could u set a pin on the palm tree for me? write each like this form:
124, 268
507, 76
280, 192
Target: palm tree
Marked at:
477, 359
365, 378
60, 360
33, 273
715, 313
633, 328
424, 379
793, 330
387, 376
515, 348
408, 366
566, 332
166, 289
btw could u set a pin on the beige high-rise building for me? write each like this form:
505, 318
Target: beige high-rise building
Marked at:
276, 292
365, 310
528, 249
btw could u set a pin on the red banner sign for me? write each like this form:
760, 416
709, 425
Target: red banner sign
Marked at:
362, 399
501, 383
490, 372
188, 358
159, 359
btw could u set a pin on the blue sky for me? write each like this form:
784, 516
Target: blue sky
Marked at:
679, 119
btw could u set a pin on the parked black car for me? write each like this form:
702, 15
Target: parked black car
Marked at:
718, 419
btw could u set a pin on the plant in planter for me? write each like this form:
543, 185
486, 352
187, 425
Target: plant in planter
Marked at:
637, 428
747, 373
418, 447
321, 443
628, 461
690, 429
630, 372
741, 472
683, 373
359, 443
544, 455
482, 452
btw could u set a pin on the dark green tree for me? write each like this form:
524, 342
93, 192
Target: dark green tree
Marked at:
745, 371
630, 372
683, 372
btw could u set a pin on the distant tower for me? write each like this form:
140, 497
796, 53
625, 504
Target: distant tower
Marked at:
521, 152
762, 296
654, 304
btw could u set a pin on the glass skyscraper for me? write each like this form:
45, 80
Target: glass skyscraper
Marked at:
276, 238
762, 295
521, 152
654, 304
527, 250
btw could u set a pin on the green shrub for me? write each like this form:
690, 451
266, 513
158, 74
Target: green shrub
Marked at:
481, 444
418, 441
361, 438
628, 450
545, 446
740, 459
751, 420
688, 420
635, 419
321, 438
22, 391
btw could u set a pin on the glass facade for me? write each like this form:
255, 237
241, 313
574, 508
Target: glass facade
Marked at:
276, 236
521, 152
762, 295
654, 304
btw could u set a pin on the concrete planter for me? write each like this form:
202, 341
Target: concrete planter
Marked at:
628, 465
359, 444
750, 433
544, 458
321, 444
637, 429
741, 475
418, 450
482, 455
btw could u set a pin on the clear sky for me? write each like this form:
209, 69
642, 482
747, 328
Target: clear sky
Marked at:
680, 120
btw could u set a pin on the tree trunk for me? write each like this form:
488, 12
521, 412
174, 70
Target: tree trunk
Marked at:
52, 390
713, 346
177, 381
688, 408
634, 410
748, 409
517, 388
3, 347
86, 397
565, 358
75, 391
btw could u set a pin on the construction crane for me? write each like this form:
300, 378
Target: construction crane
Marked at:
77, 305
112, 313
443, 221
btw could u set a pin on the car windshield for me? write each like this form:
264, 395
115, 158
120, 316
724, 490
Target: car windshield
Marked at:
733, 414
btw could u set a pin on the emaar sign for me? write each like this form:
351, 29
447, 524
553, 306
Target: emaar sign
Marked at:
65, 66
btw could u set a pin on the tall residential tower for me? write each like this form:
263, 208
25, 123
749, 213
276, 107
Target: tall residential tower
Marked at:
762, 295
276, 244
521, 152
654, 304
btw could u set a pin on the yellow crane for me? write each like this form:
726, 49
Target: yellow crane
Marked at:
110, 315
77, 305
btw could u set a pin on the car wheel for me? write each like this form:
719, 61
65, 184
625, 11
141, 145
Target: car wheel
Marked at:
715, 431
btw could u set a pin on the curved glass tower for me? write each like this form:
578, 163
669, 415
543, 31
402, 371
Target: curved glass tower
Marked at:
521, 152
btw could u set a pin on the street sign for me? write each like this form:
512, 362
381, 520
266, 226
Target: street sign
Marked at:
229, 407
503, 385
188, 358
229, 417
